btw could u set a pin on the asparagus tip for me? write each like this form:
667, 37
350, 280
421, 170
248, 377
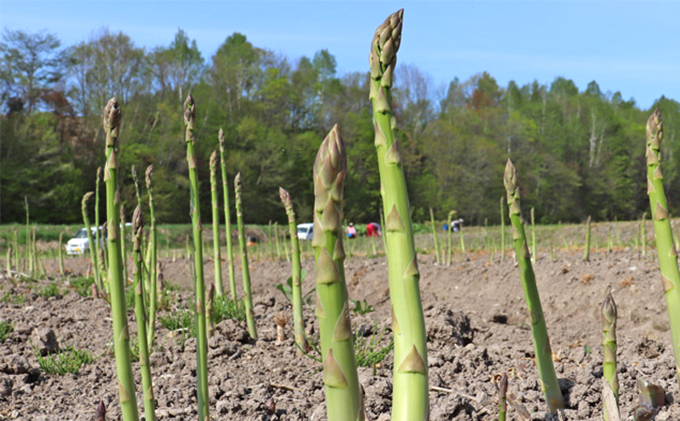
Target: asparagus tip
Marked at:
609, 309
213, 160
101, 410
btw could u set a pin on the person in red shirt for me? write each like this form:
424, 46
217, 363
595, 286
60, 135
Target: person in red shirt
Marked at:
373, 230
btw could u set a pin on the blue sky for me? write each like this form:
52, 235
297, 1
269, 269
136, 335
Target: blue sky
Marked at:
632, 47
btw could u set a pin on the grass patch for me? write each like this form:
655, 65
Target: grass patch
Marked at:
82, 285
180, 319
224, 308
10, 298
52, 290
68, 360
6, 328
368, 351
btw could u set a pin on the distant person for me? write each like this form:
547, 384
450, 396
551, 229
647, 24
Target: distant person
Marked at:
351, 231
373, 230
457, 225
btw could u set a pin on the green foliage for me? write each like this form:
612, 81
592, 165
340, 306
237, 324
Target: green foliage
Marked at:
68, 360
82, 285
368, 351
362, 308
51, 290
224, 308
6, 328
180, 319
580, 151
11, 298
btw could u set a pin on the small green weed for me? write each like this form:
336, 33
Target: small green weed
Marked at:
52, 290
68, 360
10, 298
180, 319
82, 285
362, 309
287, 289
5, 329
130, 298
224, 308
368, 350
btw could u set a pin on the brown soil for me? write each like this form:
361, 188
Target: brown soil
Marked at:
477, 329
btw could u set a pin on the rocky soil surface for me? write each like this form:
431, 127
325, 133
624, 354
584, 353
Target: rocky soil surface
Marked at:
477, 329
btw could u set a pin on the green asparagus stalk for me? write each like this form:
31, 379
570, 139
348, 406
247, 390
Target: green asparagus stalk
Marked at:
533, 236
298, 321
199, 282
503, 392
666, 252
434, 237
29, 248
97, 234
462, 237
343, 395
121, 338
216, 224
410, 384
61, 253
586, 252
16, 250
209, 305
546, 370
140, 309
449, 255
93, 256
123, 235
502, 229
643, 234
153, 259
247, 299
609, 315
270, 240
8, 262
276, 238
227, 218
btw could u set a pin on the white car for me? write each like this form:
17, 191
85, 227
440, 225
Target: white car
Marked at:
305, 231
79, 243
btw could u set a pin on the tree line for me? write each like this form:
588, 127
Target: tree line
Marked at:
578, 153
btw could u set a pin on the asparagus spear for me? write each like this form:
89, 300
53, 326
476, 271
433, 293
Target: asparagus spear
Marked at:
546, 370
61, 254
502, 229
434, 238
247, 298
140, 310
666, 252
123, 252
96, 212
410, 385
298, 321
343, 395
586, 252
215, 224
609, 315
227, 219
199, 282
153, 258
121, 338
503, 392
93, 256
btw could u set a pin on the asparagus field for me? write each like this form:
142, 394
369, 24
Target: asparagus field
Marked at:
477, 329
336, 322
